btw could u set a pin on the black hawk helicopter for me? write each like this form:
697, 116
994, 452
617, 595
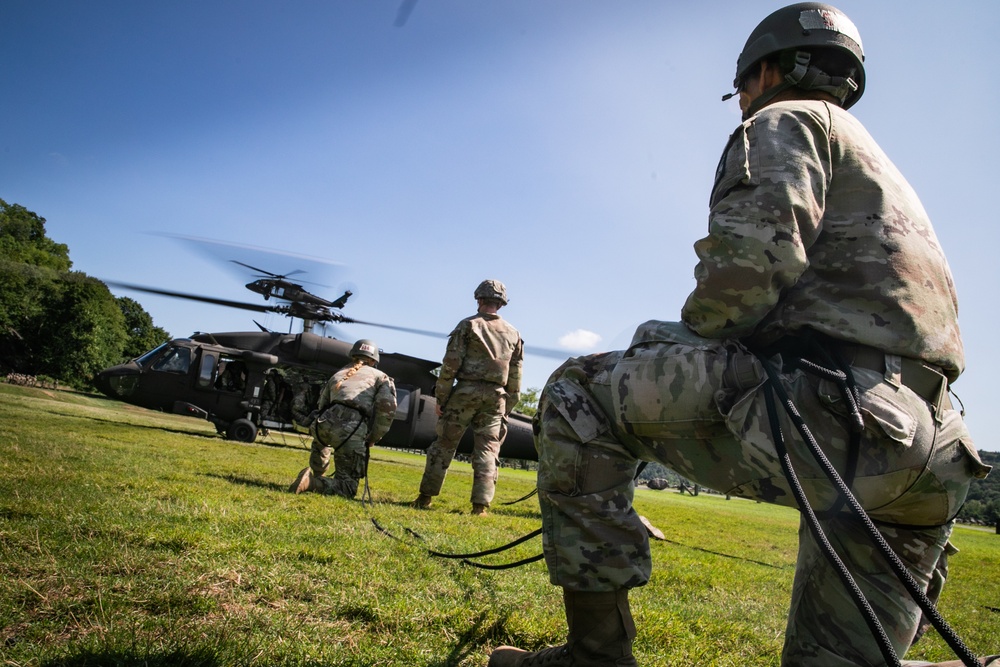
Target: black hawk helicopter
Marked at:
246, 382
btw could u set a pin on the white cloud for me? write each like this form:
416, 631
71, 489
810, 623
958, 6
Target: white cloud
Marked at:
580, 340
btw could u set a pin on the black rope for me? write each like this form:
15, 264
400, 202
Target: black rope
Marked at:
898, 567
466, 558
366, 494
522, 498
871, 620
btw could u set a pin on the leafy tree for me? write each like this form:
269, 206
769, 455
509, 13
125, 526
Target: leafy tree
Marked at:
23, 240
142, 334
58, 322
527, 404
91, 333
30, 265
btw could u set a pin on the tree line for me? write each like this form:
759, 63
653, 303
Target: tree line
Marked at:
56, 322
983, 504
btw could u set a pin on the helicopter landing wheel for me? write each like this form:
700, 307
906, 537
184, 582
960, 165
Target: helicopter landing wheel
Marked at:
242, 430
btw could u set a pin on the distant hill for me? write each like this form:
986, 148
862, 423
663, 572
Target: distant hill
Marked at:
983, 503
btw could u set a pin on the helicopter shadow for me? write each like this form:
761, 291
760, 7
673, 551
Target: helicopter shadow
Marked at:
118, 422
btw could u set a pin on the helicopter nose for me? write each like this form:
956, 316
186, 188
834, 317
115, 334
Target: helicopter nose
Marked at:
118, 381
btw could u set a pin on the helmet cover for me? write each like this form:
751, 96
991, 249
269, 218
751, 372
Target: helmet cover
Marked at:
492, 289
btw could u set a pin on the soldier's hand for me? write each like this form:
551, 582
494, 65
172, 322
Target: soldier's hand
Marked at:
438, 411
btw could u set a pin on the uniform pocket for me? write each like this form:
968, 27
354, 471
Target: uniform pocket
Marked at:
669, 382
883, 409
576, 407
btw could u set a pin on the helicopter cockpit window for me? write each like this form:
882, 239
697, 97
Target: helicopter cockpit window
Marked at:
206, 373
144, 359
176, 360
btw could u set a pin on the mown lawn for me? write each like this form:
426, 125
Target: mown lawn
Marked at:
129, 537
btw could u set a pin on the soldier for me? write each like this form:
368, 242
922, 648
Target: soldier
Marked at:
818, 256
479, 384
355, 410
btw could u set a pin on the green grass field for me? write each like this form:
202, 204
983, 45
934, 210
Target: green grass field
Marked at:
129, 537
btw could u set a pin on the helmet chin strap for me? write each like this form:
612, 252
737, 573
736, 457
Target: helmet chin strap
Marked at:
806, 78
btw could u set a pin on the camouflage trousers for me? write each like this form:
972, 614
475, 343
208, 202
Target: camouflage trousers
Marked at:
348, 466
481, 405
697, 406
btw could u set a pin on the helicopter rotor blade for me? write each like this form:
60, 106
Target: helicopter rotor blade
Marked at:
552, 353
419, 332
195, 297
264, 272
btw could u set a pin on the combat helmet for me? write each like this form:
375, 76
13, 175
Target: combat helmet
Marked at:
365, 348
492, 289
797, 29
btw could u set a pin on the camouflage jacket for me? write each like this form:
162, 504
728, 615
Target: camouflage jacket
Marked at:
370, 391
811, 225
485, 348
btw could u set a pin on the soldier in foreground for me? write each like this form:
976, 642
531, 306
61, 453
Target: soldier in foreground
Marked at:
355, 410
479, 384
820, 280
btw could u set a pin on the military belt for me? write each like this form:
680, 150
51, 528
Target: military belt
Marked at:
364, 415
478, 381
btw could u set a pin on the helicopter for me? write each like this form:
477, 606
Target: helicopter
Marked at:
273, 284
244, 382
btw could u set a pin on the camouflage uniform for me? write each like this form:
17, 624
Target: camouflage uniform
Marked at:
355, 410
812, 232
479, 384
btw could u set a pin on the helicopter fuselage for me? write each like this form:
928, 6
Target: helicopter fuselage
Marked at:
239, 382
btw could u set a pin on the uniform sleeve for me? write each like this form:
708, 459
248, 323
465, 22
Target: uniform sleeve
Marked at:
766, 211
453, 356
513, 388
383, 409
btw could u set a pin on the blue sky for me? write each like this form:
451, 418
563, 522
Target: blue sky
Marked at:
566, 147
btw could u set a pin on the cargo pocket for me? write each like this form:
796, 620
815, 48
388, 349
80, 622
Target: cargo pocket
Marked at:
569, 420
577, 408
669, 383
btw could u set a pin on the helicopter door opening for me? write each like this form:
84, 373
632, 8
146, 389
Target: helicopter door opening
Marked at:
232, 375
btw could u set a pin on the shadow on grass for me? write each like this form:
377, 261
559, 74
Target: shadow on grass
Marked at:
175, 658
253, 483
119, 422
482, 633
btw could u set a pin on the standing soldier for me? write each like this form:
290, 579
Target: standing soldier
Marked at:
479, 384
355, 410
820, 284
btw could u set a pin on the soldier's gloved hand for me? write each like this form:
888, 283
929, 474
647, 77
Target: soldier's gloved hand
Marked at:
512, 400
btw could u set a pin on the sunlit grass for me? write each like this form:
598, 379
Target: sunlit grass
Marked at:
130, 537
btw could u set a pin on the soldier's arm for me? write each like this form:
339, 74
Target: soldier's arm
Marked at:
451, 364
513, 388
383, 410
767, 209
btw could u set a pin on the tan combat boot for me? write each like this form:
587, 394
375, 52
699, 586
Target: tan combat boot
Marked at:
600, 634
304, 482
422, 502
479, 510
